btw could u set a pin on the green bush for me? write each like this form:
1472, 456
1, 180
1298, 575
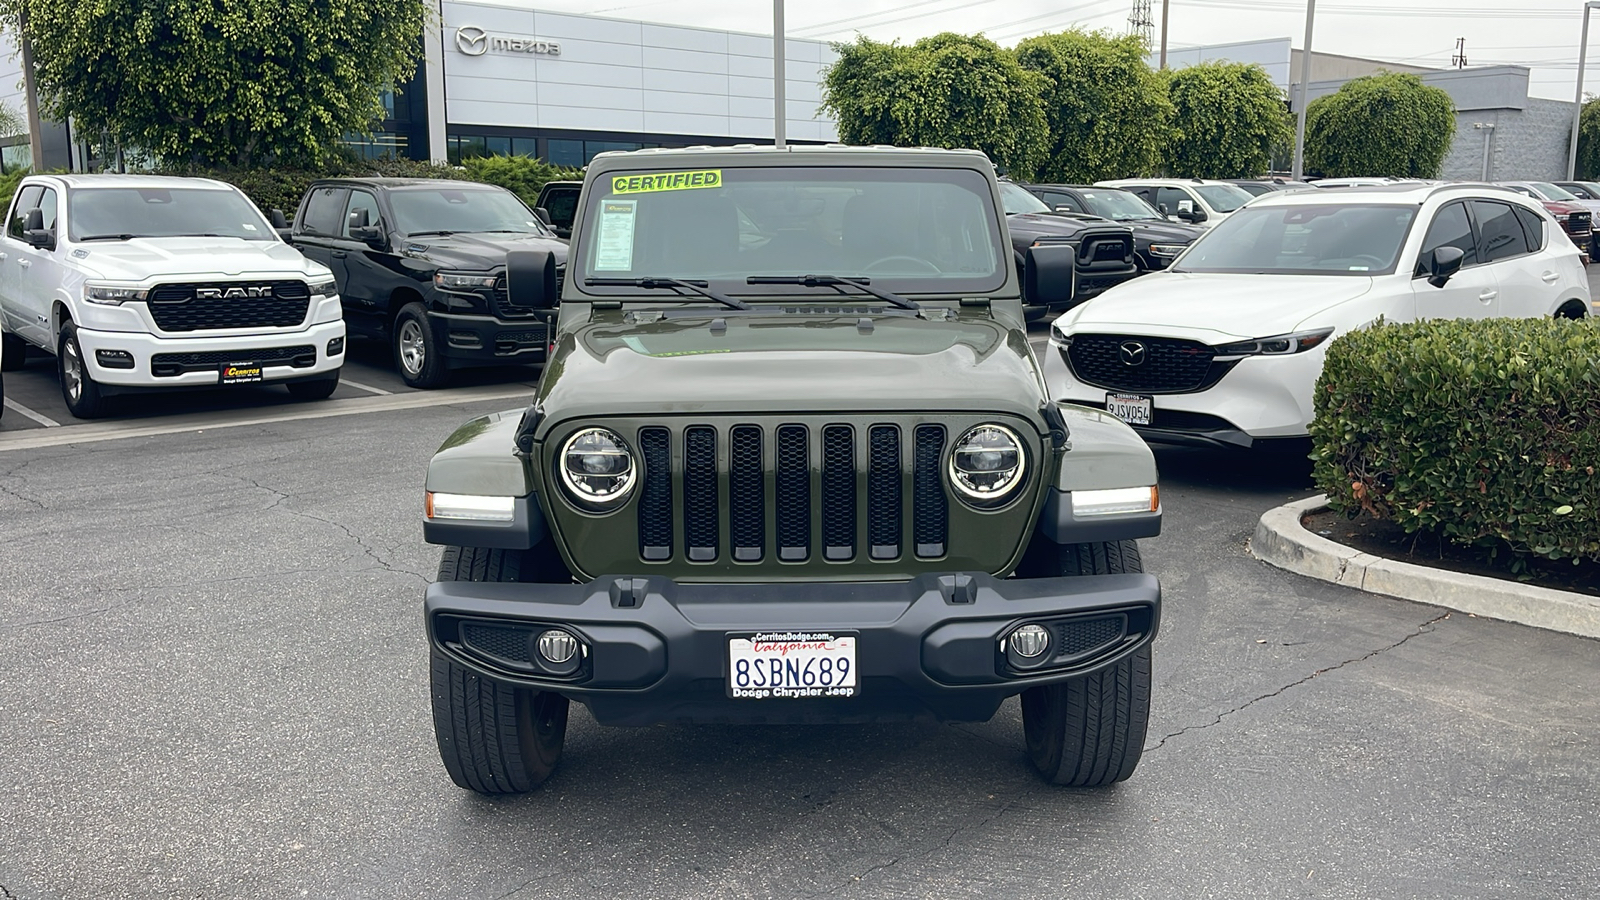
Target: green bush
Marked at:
521, 175
8, 186
1484, 432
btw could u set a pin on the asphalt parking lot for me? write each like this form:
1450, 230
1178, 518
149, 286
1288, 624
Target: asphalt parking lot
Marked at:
217, 687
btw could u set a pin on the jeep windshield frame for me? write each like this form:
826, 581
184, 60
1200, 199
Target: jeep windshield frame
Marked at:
751, 230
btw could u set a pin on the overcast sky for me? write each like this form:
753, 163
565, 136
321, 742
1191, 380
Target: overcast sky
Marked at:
1540, 34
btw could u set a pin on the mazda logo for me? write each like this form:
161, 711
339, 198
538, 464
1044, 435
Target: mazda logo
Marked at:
472, 40
1132, 353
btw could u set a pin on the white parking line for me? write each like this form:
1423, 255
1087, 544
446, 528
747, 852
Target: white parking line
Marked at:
44, 420
365, 387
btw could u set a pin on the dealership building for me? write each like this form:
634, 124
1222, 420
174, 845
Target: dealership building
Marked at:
502, 78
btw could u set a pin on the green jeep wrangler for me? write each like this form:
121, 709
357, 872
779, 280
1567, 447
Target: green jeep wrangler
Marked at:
791, 460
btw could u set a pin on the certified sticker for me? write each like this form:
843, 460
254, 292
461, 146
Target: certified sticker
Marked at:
666, 181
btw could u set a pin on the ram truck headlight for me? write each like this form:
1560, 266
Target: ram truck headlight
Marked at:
1278, 345
987, 464
470, 507
461, 281
1115, 501
1167, 251
327, 288
113, 294
597, 468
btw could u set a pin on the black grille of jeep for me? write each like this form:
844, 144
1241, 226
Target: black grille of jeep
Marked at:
1145, 364
201, 307
810, 471
495, 640
168, 364
1076, 637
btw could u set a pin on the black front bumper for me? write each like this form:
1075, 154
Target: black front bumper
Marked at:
488, 341
657, 650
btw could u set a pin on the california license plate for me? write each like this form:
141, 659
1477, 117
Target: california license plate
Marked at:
791, 664
240, 373
1131, 408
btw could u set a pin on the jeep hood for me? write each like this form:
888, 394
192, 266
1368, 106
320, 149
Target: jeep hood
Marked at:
176, 259
1215, 307
478, 252
789, 362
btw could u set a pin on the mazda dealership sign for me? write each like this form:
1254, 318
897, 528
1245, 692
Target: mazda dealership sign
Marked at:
474, 41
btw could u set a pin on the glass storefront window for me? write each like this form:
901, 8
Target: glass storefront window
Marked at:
497, 146
378, 145
566, 153
525, 147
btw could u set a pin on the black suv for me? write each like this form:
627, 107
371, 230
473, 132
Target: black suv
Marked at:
1156, 239
1105, 249
421, 264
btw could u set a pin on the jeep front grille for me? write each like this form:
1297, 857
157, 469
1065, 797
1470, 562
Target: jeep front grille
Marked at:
195, 307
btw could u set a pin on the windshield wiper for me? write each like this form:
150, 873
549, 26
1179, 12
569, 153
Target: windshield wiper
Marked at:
669, 284
439, 233
108, 237
836, 282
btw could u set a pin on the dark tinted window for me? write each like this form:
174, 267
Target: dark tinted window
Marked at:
27, 198
1499, 231
323, 211
1171, 196
1532, 227
361, 200
1450, 228
1056, 199
562, 205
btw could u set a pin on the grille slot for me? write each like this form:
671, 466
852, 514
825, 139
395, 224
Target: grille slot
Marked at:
838, 492
883, 492
930, 509
492, 640
1169, 365
746, 494
168, 364
792, 489
178, 307
1082, 636
655, 500
700, 493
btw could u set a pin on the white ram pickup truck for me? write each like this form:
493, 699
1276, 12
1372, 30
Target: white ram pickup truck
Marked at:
144, 282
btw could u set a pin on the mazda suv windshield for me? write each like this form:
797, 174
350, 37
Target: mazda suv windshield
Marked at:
1328, 239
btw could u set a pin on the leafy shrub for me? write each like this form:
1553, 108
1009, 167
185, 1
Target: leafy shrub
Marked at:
8, 186
1484, 432
521, 175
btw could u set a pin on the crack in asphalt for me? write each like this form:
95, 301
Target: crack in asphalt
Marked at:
16, 473
1424, 628
282, 498
943, 845
6, 893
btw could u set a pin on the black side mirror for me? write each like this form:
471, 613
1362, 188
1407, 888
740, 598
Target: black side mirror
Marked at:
543, 215
1050, 276
1446, 261
531, 279
1193, 216
358, 219
278, 219
360, 230
33, 231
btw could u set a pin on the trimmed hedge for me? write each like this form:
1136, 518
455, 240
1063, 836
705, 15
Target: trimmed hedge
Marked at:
1484, 432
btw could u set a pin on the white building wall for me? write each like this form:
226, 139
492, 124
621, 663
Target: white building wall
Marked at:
11, 90
614, 75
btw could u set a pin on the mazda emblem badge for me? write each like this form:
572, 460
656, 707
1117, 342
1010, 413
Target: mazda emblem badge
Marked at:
1132, 353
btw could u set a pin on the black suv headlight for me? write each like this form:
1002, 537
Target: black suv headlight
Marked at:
597, 468
987, 464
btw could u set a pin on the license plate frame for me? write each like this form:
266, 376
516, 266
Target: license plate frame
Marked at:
1135, 409
232, 373
791, 658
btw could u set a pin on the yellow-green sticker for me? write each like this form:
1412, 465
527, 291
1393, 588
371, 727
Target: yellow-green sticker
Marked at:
666, 181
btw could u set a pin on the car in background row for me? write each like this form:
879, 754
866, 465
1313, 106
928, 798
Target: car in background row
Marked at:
1105, 249
421, 264
1156, 241
1259, 186
1576, 217
1196, 201
1583, 190
557, 205
143, 282
1223, 348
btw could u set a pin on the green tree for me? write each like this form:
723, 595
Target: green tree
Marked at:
1589, 140
1108, 114
1227, 120
220, 82
948, 90
1390, 124
11, 121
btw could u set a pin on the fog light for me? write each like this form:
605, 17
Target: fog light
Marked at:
336, 346
1029, 641
557, 646
114, 359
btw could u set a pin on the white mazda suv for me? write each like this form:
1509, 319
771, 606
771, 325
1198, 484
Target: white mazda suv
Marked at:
1224, 347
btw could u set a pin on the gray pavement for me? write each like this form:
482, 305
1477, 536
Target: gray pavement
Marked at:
216, 687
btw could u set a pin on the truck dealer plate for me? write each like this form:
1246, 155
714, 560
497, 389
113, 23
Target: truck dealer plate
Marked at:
791, 664
240, 373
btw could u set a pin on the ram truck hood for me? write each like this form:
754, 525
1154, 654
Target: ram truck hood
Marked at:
789, 361
191, 258
1215, 308
478, 252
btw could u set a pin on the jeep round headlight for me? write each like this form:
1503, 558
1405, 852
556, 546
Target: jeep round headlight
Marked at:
597, 467
987, 464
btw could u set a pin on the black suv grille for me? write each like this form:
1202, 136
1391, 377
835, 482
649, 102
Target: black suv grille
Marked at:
201, 307
1164, 365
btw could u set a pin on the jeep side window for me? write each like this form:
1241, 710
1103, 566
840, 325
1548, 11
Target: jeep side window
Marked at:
1450, 228
1499, 230
360, 200
323, 209
27, 198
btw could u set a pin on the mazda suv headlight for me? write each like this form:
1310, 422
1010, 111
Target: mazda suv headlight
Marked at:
1278, 345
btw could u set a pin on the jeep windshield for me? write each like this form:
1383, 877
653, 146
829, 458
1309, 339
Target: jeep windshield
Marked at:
125, 213
746, 230
1325, 239
452, 210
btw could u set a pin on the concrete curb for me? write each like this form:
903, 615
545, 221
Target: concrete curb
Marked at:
1281, 540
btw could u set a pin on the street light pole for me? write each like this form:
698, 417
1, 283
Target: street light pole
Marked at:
1577, 103
1166, 7
1300, 105
779, 111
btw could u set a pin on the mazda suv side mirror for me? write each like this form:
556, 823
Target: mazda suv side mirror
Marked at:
1445, 262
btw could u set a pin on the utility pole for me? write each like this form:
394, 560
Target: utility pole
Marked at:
779, 106
1577, 102
1460, 59
1166, 7
1140, 22
1305, 79
31, 95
